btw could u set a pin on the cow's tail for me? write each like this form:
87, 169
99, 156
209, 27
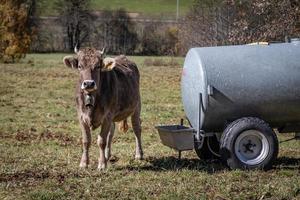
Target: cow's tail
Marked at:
123, 126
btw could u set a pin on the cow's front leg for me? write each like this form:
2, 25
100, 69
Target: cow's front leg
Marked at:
86, 143
102, 141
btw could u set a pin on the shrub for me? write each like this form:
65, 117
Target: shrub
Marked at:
159, 40
161, 62
15, 29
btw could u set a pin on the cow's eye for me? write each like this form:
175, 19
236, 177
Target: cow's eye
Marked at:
80, 67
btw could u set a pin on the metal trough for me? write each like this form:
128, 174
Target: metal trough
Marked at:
177, 137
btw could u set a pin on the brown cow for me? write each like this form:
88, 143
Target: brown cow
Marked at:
107, 92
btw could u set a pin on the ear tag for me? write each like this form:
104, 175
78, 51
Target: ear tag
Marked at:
109, 64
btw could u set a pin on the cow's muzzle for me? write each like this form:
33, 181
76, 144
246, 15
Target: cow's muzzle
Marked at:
88, 85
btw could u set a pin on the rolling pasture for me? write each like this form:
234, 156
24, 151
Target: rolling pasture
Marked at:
40, 143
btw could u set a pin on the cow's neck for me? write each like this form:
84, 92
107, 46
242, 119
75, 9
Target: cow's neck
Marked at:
103, 100
88, 107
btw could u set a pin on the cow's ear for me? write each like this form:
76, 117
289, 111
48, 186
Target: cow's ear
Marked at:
71, 61
108, 64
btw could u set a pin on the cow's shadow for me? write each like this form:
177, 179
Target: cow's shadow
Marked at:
211, 166
174, 164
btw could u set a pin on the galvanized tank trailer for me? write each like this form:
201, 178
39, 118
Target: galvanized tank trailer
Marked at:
233, 97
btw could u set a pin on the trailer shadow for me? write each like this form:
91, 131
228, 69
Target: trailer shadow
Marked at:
173, 164
212, 166
287, 163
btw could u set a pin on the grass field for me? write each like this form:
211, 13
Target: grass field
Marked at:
40, 145
145, 7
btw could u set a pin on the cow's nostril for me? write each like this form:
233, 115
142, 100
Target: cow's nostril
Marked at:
88, 85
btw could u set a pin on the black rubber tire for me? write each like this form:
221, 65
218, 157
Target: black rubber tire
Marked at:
204, 153
234, 129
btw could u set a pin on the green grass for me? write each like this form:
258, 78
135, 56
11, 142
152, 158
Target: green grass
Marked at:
144, 7
40, 144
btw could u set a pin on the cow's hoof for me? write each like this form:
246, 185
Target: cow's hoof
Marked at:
83, 165
139, 157
113, 159
102, 166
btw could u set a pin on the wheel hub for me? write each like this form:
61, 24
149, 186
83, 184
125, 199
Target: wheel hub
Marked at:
251, 147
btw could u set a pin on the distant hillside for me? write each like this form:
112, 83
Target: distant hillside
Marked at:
147, 8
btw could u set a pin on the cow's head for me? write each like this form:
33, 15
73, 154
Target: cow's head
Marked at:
89, 62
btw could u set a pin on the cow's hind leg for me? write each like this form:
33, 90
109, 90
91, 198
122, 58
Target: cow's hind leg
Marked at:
102, 141
109, 141
86, 143
137, 129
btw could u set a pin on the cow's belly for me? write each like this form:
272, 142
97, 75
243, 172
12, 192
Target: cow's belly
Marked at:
123, 114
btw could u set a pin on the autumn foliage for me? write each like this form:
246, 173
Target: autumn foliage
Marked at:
15, 29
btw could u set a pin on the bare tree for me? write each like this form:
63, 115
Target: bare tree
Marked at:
206, 24
118, 32
259, 20
220, 22
77, 20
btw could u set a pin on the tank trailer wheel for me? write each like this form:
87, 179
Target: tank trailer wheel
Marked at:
210, 148
248, 143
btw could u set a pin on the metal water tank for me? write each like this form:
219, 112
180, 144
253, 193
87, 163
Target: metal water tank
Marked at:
240, 81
